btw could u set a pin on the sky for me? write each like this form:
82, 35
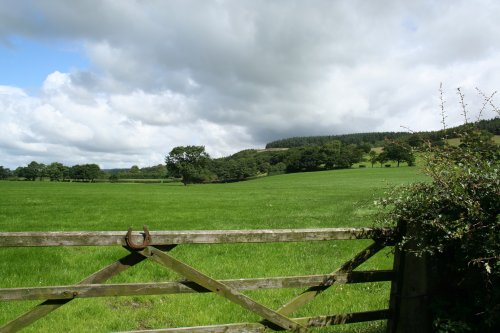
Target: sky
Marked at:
121, 83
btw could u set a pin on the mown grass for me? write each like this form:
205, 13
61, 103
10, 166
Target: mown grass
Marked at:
342, 198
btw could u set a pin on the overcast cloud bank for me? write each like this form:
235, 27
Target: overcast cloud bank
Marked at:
235, 75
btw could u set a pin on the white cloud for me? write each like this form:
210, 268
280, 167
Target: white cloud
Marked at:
7, 91
111, 130
164, 108
234, 75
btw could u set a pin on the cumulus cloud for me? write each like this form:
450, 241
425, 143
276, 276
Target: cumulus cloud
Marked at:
235, 75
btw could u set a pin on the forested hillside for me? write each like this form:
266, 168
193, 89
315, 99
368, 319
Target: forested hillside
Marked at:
378, 138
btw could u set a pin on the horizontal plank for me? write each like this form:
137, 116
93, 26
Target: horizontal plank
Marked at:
108, 238
179, 287
227, 328
320, 321
347, 318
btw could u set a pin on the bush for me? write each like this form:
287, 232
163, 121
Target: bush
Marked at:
387, 165
457, 218
361, 166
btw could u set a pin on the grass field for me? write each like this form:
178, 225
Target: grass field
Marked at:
342, 198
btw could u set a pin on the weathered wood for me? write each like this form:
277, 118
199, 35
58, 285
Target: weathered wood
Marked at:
312, 292
409, 301
320, 321
178, 287
57, 296
395, 292
224, 328
48, 306
347, 318
223, 290
107, 238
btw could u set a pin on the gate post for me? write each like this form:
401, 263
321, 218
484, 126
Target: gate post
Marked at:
409, 290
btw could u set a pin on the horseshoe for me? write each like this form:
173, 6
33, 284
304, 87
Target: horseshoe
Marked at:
145, 242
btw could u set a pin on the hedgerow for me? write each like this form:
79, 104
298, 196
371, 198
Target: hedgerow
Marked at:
456, 222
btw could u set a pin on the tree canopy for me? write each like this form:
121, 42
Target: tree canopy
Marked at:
397, 151
85, 172
5, 172
189, 163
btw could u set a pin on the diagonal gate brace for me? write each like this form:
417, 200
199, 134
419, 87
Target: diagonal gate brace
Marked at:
310, 293
223, 290
46, 307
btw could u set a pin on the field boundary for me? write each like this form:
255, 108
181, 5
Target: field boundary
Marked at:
155, 246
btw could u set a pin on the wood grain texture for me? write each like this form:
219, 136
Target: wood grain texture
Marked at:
180, 287
117, 238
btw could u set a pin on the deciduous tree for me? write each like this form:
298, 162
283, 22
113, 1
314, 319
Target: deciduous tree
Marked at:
399, 152
32, 171
189, 163
55, 171
4, 172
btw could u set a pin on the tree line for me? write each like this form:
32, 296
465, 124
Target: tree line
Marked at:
55, 172
378, 138
153, 172
81, 172
192, 164
371, 139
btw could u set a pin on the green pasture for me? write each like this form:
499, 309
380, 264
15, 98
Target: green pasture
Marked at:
456, 141
342, 198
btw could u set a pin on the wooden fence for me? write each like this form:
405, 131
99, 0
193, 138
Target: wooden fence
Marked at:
156, 245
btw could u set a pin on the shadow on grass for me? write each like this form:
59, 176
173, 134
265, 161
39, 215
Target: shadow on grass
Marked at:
367, 327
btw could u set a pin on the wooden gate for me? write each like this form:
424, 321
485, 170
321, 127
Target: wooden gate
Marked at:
156, 245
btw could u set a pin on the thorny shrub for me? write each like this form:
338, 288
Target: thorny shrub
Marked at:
457, 218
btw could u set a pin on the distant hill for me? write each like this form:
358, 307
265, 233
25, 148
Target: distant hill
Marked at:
356, 138
115, 170
377, 138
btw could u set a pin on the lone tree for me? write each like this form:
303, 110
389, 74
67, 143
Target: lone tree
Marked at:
189, 162
399, 152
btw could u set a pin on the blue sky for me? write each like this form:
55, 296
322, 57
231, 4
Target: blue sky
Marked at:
26, 63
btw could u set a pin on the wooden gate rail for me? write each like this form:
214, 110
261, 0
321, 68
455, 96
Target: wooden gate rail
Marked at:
182, 287
319, 321
108, 238
157, 244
